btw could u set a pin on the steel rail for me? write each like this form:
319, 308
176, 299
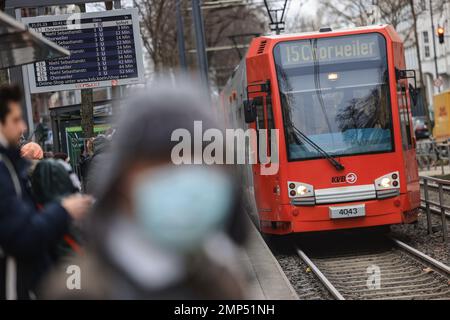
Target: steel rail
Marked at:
435, 263
398, 288
332, 289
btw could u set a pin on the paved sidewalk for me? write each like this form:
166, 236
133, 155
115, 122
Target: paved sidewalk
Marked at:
267, 280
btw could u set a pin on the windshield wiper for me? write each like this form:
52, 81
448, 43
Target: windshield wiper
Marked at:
339, 166
319, 86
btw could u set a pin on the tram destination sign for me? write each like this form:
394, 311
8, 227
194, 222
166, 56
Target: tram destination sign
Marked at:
105, 50
331, 50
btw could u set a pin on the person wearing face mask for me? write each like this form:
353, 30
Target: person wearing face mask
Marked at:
160, 231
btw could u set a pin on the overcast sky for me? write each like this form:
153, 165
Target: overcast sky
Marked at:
306, 6
303, 7
295, 7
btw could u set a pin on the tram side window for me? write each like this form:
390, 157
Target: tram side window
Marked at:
240, 116
405, 119
260, 117
261, 121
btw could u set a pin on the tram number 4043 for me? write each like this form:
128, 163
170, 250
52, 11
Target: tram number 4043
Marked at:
347, 212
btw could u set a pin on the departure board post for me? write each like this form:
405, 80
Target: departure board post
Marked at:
105, 51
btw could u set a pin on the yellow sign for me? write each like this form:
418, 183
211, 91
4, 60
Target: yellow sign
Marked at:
441, 103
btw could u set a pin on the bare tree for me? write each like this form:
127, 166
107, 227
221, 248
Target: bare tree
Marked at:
419, 61
229, 29
403, 15
304, 23
348, 12
158, 30
225, 28
366, 12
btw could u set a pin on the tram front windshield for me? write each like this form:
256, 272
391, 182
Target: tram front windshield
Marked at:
336, 92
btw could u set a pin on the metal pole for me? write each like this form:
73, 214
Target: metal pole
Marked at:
87, 105
441, 205
278, 31
427, 205
448, 152
115, 90
26, 88
434, 43
55, 130
180, 37
200, 41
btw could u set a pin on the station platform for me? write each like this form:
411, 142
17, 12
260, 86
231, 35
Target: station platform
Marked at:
266, 278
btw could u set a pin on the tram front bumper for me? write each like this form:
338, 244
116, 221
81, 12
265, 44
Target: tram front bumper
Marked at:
296, 219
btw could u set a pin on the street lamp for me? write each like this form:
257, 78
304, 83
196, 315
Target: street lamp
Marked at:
434, 43
276, 16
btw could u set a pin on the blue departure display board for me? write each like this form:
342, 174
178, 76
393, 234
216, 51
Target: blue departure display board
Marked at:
105, 50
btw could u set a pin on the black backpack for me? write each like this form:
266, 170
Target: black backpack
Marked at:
51, 182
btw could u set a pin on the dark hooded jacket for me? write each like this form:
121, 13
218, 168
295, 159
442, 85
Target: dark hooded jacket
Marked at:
96, 162
26, 234
145, 134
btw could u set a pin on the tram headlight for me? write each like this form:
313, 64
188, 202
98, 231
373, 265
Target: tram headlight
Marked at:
388, 181
300, 190
385, 182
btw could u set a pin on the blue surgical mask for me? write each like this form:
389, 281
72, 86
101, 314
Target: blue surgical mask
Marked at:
179, 207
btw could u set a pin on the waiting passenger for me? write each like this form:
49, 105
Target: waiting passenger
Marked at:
160, 231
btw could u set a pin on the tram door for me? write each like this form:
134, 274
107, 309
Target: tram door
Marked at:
265, 181
408, 140
407, 131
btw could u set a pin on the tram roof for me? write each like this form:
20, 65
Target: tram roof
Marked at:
334, 31
20, 45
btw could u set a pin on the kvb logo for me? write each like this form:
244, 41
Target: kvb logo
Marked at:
351, 178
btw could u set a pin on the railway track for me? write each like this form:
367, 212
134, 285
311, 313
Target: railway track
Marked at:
393, 271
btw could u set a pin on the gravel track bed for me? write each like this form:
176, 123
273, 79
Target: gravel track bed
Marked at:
401, 276
302, 279
416, 235
308, 286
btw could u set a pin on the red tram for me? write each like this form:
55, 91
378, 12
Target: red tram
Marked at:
341, 101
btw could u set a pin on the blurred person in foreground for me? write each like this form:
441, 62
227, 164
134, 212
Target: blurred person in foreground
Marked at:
26, 234
160, 231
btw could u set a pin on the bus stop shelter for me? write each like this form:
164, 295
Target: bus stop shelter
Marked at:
20, 45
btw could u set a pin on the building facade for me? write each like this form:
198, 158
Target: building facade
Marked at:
432, 60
